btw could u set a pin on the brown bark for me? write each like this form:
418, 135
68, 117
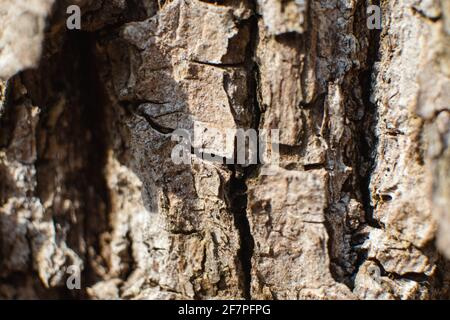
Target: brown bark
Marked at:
356, 209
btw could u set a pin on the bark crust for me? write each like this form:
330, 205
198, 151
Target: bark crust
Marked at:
358, 207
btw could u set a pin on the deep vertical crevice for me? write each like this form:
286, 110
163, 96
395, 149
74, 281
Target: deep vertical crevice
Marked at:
368, 140
72, 147
236, 189
93, 118
360, 154
237, 204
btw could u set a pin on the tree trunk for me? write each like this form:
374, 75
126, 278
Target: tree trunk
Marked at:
357, 208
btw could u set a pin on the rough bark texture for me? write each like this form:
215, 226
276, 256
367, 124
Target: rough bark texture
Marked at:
358, 207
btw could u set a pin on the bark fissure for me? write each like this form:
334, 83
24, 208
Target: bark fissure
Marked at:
237, 204
368, 141
96, 220
237, 186
367, 145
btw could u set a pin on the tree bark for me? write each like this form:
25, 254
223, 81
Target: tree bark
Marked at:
358, 207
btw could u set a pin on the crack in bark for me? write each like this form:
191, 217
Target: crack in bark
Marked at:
367, 145
369, 141
236, 189
237, 204
150, 120
413, 276
96, 197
